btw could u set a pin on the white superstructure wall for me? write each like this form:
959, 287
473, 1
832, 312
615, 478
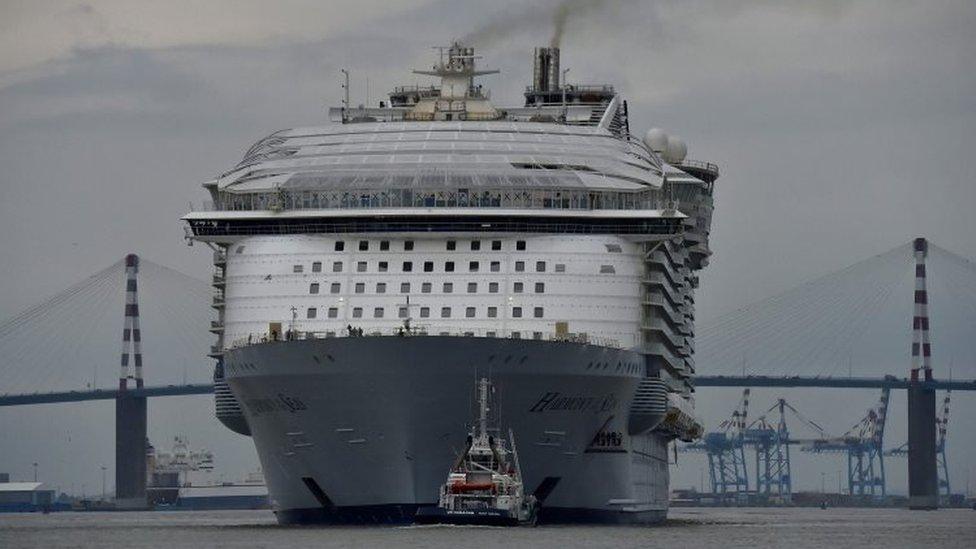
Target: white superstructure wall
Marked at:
482, 285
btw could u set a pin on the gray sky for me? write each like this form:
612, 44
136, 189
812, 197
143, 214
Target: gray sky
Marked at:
842, 129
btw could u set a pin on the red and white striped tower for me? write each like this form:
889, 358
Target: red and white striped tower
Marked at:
923, 487
131, 336
921, 348
130, 409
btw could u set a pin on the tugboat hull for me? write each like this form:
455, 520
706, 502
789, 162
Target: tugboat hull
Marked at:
478, 517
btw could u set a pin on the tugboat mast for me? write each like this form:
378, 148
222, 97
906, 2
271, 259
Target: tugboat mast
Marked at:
483, 404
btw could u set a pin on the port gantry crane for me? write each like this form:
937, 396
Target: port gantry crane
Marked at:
942, 426
863, 444
774, 480
726, 455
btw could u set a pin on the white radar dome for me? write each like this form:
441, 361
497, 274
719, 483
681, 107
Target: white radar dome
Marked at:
656, 140
676, 150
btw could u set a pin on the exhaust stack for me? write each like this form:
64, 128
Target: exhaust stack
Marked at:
545, 73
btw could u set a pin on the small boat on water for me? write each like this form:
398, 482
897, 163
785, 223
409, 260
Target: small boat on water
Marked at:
484, 487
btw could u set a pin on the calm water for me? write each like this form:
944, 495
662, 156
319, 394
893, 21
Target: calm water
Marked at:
692, 528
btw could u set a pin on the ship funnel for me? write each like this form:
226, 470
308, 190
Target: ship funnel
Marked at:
545, 70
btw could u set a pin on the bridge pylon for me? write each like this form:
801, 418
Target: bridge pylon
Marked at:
130, 410
923, 484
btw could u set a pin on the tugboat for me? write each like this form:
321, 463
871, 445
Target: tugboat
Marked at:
484, 487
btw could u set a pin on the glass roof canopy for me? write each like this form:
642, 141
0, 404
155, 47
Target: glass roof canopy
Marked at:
444, 154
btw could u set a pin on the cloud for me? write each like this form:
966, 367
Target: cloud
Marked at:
36, 32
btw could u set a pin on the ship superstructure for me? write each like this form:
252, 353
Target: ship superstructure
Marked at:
183, 479
367, 270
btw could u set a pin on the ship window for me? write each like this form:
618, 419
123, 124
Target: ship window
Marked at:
383, 266
520, 245
402, 312
445, 312
472, 287
384, 245
607, 269
517, 287
475, 245
313, 288
381, 287
449, 267
378, 312
490, 334
496, 245
298, 268
360, 287
363, 245
239, 249
425, 287
537, 312
407, 266
451, 245
337, 267
536, 335
428, 266
340, 245
333, 312
493, 287
448, 287
473, 266
492, 312
335, 287
408, 245
614, 248
357, 312
516, 335
317, 267
516, 312
469, 312
311, 312
560, 267
540, 288
425, 312
361, 267
404, 287
519, 266
540, 266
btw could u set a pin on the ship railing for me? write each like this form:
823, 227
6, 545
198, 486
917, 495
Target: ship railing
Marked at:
366, 199
639, 227
421, 331
415, 89
586, 88
704, 166
461, 115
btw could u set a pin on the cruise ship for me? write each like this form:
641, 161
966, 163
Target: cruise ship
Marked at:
368, 271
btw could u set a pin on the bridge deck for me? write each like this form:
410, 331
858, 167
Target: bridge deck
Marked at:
700, 381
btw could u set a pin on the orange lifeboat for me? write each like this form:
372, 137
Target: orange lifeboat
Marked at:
463, 487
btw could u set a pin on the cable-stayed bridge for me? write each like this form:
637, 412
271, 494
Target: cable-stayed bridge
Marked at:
889, 382
65, 349
872, 316
70, 341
